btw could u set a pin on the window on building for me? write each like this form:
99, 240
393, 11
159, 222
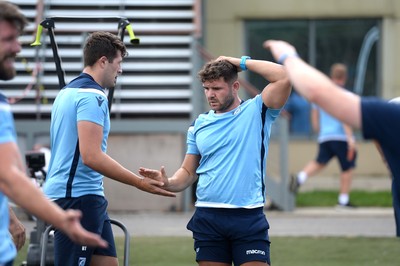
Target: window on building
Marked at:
320, 43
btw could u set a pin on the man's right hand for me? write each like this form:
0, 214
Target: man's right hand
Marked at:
72, 227
17, 230
154, 181
279, 48
158, 175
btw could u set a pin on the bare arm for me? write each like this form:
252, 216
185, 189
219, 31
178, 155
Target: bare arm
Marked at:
181, 179
351, 143
90, 139
17, 186
276, 93
317, 87
17, 230
349, 133
315, 120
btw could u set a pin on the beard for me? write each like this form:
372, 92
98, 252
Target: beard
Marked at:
6, 73
226, 104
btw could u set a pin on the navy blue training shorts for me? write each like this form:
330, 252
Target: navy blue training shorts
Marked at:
10, 263
94, 219
329, 149
230, 235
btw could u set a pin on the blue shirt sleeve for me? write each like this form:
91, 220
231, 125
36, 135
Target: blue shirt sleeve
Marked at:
7, 130
191, 142
92, 107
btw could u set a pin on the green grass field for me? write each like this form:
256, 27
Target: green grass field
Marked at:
299, 251
327, 198
285, 251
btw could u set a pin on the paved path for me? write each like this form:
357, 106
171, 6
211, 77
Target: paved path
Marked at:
369, 222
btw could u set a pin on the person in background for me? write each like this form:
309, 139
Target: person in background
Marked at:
14, 183
298, 112
335, 139
378, 119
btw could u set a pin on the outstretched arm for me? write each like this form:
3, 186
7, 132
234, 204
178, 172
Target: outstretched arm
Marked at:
351, 142
17, 186
317, 87
182, 178
90, 139
276, 93
315, 120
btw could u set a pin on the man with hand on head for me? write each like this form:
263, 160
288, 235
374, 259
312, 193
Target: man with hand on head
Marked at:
378, 119
226, 151
14, 183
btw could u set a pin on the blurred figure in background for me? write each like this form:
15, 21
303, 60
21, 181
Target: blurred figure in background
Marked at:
378, 119
297, 111
335, 139
14, 183
395, 184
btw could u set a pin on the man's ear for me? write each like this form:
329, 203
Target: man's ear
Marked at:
236, 85
103, 60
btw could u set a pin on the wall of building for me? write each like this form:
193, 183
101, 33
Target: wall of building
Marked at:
153, 150
147, 150
133, 150
223, 25
224, 35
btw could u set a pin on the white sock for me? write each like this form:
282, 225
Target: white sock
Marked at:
302, 177
343, 199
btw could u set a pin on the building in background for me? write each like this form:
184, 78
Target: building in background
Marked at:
158, 94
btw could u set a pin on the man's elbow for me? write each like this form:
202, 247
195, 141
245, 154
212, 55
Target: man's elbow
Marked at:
285, 87
286, 84
89, 160
313, 94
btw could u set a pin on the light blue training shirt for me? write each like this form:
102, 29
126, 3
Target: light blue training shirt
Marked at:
233, 147
81, 100
7, 134
329, 127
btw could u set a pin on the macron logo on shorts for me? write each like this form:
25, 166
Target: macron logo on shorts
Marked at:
82, 261
255, 252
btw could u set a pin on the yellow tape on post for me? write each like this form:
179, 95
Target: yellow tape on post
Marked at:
38, 35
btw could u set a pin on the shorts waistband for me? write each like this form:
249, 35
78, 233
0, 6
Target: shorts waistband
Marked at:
231, 211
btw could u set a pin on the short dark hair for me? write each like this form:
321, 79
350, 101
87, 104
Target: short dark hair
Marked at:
100, 44
11, 13
338, 71
216, 69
